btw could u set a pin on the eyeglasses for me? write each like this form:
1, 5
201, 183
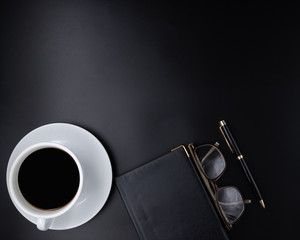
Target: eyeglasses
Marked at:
211, 165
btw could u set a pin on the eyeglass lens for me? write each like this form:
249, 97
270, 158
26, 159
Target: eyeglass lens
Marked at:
211, 160
231, 203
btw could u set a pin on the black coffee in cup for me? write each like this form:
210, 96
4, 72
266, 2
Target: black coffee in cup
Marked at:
48, 178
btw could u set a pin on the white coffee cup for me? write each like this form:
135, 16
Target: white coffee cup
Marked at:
43, 218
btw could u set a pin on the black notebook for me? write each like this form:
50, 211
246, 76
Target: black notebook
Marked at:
166, 200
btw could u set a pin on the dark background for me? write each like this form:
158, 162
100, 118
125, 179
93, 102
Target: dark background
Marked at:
146, 77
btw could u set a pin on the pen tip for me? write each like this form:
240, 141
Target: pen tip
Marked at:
262, 203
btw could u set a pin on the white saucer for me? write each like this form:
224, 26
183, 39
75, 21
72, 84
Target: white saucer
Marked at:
94, 160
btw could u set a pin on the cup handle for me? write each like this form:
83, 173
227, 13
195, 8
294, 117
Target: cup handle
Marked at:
43, 224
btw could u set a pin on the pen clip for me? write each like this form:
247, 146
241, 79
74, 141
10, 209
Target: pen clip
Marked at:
226, 139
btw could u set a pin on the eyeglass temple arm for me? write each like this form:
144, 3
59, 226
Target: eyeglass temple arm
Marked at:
191, 148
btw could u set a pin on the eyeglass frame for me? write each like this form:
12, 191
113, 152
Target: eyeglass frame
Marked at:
212, 182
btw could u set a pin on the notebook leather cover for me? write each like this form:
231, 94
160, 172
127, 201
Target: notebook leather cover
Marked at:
166, 200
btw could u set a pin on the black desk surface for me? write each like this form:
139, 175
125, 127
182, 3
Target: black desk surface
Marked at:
144, 78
